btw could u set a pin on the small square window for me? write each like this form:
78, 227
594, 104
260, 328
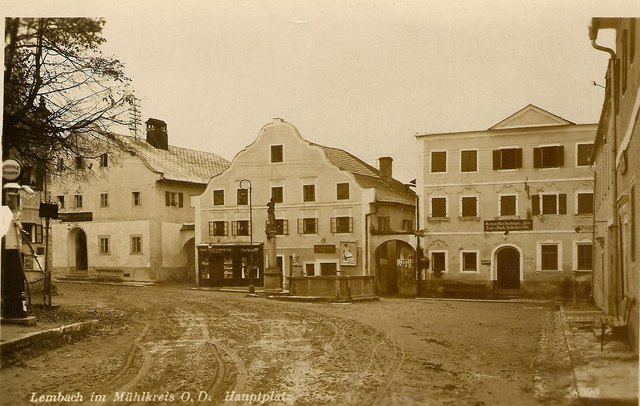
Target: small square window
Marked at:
276, 153
218, 197
309, 193
242, 197
469, 206
584, 154
438, 207
438, 161
469, 161
508, 205
342, 224
308, 225
469, 262
384, 223
241, 228
585, 203
277, 194
342, 191
218, 228
438, 261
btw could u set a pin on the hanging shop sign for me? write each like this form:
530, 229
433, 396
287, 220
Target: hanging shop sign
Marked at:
11, 169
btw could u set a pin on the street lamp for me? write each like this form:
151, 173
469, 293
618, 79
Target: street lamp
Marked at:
252, 288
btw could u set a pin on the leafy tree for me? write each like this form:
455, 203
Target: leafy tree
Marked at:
57, 85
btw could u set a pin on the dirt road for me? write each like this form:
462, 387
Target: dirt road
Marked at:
172, 345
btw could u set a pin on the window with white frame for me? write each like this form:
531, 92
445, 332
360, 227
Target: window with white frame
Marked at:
309, 269
309, 193
241, 227
308, 225
508, 205
277, 194
469, 160
439, 207
218, 228
438, 161
78, 201
342, 191
507, 158
469, 206
341, 225
469, 261
549, 203
104, 199
439, 261
218, 197
136, 245
549, 256
584, 256
103, 244
548, 156
277, 154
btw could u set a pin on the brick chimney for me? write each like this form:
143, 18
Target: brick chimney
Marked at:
386, 168
157, 134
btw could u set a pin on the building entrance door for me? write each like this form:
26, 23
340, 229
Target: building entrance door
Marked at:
81, 251
508, 268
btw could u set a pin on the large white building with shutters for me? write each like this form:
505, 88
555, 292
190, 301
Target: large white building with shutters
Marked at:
510, 207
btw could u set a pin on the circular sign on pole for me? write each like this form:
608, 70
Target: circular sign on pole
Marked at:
11, 169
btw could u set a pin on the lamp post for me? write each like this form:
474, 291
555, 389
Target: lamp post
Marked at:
252, 288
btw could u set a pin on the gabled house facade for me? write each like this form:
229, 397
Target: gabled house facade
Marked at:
130, 217
510, 207
335, 215
617, 175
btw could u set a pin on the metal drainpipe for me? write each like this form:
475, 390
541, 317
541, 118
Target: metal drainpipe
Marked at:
366, 244
593, 36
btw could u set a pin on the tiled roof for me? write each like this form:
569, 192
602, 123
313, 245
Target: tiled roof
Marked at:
369, 177
178, 164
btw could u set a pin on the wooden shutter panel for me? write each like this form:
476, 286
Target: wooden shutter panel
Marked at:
180, 200
496, 159
560, 155
537, 157
167, 198
562, 204
535, 205
518, 157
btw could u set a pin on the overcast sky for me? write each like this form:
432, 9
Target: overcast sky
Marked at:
365, 76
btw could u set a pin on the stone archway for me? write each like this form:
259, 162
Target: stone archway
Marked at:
396, 272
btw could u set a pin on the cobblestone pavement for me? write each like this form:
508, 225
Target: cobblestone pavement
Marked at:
170, 345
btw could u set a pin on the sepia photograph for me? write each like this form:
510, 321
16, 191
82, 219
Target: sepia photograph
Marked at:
337, 202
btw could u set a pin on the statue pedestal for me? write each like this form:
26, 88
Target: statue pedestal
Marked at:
273, 274
273, 280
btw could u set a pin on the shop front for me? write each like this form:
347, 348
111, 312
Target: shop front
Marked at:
230, 265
